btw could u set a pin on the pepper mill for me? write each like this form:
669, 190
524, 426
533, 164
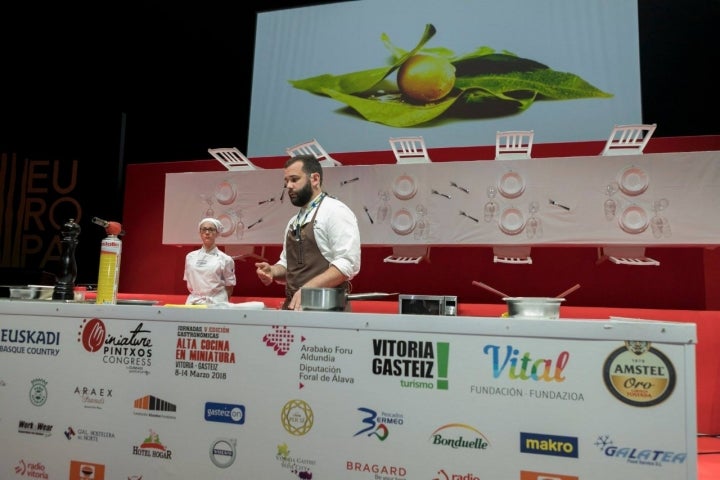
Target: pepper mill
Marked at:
65, 285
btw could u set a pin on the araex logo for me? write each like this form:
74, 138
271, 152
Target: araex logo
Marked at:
544, 444
418, 361
526, 367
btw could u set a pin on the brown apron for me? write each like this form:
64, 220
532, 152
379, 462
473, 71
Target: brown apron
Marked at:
304, 260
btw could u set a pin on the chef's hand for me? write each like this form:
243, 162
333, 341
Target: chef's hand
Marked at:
264, 272
295, 303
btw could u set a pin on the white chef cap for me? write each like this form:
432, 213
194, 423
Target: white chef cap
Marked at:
218, 224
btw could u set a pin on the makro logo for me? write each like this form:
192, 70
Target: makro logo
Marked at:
508, 361
224, 413
544, 444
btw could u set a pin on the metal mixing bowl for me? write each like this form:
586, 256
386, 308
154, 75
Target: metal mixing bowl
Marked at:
534, 307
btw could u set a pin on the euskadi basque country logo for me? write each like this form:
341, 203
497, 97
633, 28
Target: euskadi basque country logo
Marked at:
419, 364
639, 374
639, 455
38, 392
131, 349
546, 444
80, 470
30, 342
297, 417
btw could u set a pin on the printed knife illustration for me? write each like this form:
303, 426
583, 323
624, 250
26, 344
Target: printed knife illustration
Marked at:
553, 202
441, 194
345, 182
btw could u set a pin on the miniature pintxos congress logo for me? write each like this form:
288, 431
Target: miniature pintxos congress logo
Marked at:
638, 374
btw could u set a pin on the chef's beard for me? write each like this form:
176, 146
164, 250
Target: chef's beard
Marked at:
302, 197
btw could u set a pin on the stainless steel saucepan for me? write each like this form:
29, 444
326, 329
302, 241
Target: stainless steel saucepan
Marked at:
333, 299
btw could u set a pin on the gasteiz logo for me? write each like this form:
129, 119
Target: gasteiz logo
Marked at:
639, 374
545, 444
224, 413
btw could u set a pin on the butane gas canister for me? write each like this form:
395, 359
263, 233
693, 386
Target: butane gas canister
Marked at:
109, 273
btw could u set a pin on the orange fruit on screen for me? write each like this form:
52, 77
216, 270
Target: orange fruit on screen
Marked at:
426, 78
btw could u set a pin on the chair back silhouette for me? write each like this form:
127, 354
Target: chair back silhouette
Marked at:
408, 254
512, 254
628, 139
513, 144
232, 159
409, 150
313, 148
626, 255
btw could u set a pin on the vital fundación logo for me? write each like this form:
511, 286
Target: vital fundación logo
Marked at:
419, 364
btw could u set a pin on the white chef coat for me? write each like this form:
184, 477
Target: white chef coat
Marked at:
207, 273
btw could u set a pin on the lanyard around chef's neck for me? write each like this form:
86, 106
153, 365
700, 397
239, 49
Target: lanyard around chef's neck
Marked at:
299, 223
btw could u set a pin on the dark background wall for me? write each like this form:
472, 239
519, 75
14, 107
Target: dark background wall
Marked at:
101, 88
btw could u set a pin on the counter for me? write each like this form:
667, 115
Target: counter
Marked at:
163, 392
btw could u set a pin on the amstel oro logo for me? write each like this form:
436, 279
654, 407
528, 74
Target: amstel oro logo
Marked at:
639, 374
297, 417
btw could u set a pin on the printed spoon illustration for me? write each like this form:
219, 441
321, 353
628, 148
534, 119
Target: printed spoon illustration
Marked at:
441, 194
266, 201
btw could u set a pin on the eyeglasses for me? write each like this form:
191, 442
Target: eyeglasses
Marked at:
208, 230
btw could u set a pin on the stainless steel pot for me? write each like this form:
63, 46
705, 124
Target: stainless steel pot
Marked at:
333, 299
534, 307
